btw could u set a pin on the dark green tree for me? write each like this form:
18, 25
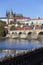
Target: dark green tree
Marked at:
13, 28
11, 22
1, 28
42, 26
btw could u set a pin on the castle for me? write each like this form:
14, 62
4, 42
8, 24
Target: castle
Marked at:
10, 16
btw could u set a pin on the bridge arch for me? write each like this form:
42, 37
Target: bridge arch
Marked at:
29, 33
40, 33
14, 33
19, 33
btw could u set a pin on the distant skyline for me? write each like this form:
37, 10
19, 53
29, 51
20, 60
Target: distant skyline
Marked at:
29, 8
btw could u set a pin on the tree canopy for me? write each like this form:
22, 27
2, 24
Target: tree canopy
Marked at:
11, 22
13, 28
1, 27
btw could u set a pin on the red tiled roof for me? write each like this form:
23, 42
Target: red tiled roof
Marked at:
37, 19
28, 28
23, 28
15, 18
37, 27
22, 18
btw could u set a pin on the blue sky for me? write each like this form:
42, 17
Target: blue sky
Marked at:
30, 8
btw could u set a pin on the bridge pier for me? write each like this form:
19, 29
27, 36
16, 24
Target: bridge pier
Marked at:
34, 35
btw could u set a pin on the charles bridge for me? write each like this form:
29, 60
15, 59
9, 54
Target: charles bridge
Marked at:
33, 32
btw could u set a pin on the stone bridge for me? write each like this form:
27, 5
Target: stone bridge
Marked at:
34, 57
33, 33
21, 31
36, 33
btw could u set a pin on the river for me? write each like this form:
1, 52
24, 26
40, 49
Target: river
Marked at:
21, 44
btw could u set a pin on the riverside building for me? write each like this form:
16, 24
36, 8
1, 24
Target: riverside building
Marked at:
19, 18
21, 21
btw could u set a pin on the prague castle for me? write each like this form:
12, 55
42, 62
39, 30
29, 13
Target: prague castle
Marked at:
10, 16
14, 17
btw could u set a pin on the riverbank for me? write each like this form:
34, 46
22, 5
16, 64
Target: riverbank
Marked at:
30, 58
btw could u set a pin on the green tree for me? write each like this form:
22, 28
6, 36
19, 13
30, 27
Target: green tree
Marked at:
1, 28
11, 22
13, 28
18, 23
42, 26
32, 23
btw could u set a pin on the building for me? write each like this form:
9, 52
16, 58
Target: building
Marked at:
10, 16
20, 19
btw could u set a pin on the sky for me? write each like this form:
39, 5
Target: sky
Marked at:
29, 8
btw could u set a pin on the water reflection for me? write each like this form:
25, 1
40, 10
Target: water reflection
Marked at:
20, 44
4, 54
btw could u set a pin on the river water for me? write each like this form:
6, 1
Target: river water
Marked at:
21, 44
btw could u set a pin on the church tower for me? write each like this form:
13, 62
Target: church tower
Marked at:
9, 14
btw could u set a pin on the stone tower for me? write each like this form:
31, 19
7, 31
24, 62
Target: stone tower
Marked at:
9, 14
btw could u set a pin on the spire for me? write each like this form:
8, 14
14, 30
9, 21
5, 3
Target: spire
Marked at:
6, 12
11, 12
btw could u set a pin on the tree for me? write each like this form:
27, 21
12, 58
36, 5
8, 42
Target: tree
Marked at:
11, 22
13, 28
18, 23
32, 25
1, 28
42, 26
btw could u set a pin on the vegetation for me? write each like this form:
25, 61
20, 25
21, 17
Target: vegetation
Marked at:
32, 23
19, 23
1, 28
13, 28
1, 50
42, 26
11, 22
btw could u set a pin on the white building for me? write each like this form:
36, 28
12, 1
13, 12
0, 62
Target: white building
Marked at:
10, 16
37, 21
